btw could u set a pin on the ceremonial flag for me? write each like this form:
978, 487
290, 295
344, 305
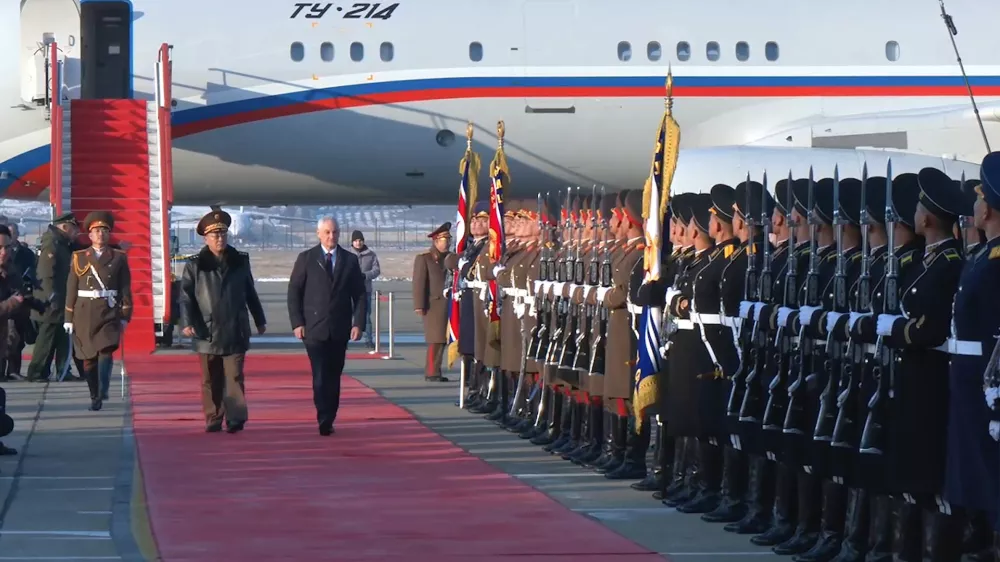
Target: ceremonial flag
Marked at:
655, 200
469, 169
500, 176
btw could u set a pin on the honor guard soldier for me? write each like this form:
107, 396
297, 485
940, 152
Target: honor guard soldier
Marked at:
523, 276
502, 383
972, 465
510, 323
483, 402
973, 237
463, 267
98, 304
430, 300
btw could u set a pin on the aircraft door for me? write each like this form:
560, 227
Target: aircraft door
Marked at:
43, 22
550, 39
106, 52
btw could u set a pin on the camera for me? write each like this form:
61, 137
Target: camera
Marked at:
29, 284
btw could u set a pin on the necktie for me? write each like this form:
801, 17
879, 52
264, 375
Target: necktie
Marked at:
329, 264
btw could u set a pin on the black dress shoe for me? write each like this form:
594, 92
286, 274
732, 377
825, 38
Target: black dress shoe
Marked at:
96, 405
5, 450
326, 430
234, 428
437, 378
214, 428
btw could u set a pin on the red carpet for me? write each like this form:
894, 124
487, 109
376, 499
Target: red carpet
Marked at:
384, 487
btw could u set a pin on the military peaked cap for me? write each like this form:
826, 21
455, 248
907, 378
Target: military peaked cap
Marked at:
633, 207
989, 173
850, 200
681, 205
99, 219
607, 205
905, 192
214, 221
875, 195
723, 198
701, 210
824, 200
482, 209
969, 196
757, 192
64, 218
940, 194
783, 198
800, 189
443, 231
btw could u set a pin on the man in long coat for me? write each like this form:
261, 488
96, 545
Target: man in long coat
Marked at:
430, 301
98, 304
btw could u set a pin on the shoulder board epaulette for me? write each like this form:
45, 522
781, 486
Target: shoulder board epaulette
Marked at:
244, 254
640, 246
952, 254
995, 253
831, 256
83, 251
715, 252
80, 271
906, 258
728, 251
805, 250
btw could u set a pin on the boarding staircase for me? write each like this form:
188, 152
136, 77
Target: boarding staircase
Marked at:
114, 155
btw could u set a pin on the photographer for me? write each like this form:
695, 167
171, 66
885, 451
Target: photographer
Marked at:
12, 302
22, 330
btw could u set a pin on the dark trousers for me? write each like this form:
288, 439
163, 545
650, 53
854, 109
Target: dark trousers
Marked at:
327, 361
97, 371
223, 393
435, 354
51, 339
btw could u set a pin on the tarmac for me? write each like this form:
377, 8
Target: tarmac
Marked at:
75, 491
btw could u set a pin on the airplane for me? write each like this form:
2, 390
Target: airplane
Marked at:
242, 220
367, 103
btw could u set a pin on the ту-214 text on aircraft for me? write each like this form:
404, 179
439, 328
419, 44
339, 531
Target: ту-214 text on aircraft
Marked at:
311, 102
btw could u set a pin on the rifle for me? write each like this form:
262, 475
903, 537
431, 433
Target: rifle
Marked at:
563, 273
845, 428
795, 412
873, 435
737, 392
597, 354
752, 408
777, 400
547, 273
833, 365
581, 361
539, 330
576, 278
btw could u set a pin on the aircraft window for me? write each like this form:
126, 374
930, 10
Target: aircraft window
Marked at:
712, 51
742, 51
475, 51
683, 51
892, 51
385, 51
298, 52
326, 52
357, 51
653, 51
771, 51
624, 51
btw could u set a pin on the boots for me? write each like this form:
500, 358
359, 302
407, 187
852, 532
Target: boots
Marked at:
555, 422
807, 530
503, 404
942, 537
731, 505
634, 465
906, 532
760, 499
662, 459
709, 474
978, 542
619, 440
489, 403
565, 424
610, 423
831, 533
685, 485
785, 511
593, 450
536, 422
588, 437
575, 429
856, 527
880, 532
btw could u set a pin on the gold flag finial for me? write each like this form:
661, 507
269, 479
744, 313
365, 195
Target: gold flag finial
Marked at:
668, 100
500, 131
468, 135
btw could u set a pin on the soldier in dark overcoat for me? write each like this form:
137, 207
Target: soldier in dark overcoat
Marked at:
429, 300
98, 304
461, 266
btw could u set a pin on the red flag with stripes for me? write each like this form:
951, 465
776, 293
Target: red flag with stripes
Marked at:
499, 177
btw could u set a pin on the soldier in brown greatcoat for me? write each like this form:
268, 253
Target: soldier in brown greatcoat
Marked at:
429, 300
520, 328
524, 281
98, 304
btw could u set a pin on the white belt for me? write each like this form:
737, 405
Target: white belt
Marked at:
476, 284
97, 294
684, 324
634, 309
707, 319
869, 348
961, 347
508, 291
732, 322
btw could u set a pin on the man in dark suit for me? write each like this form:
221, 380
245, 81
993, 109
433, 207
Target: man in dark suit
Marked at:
326, 305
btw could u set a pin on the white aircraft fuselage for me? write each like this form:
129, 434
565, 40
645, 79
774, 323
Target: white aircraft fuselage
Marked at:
344, 102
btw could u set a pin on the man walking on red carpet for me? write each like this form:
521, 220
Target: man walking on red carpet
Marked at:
326, 306
217, 289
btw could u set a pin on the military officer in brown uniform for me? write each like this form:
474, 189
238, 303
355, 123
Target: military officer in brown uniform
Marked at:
429, 300
523, 274
501, 343
98, 304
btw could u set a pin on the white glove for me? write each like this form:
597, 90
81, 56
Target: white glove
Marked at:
601, 291
671, 293
806, 313
538, 286
461, 263
519, 310
855, 317
497, 269
783, 314
557, 288
995, 430
758, 310
831, 320
991, 397
745, 307
885, 323
587, 289
68, 326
